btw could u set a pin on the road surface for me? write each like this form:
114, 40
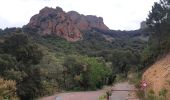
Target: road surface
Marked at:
124, 95
119, 94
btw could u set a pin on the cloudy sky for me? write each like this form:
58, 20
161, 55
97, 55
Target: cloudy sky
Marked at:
117, 14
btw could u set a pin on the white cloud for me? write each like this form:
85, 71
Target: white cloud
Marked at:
117, 14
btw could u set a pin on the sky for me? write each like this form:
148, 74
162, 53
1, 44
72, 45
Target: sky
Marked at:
117, 14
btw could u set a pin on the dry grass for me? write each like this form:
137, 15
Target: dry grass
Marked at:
158, 76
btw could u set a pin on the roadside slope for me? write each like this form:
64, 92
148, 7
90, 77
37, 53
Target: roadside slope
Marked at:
158, 76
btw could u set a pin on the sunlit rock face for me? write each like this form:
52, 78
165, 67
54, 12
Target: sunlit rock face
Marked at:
87, 22
69, 25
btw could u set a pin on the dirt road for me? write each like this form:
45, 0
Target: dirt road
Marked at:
125, 94
94, 95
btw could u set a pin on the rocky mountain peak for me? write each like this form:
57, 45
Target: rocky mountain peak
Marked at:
59, 9
67, 25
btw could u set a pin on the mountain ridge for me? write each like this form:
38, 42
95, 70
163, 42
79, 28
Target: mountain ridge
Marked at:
68, 25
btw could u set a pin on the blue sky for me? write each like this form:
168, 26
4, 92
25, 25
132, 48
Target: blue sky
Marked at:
117, 14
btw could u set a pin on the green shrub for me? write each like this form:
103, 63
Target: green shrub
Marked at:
120, 78
84, 72
163, 92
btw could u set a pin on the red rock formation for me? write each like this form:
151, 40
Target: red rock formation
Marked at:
67, 25
87, 22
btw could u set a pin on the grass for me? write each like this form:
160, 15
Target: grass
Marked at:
120, 78
150, 95
103, 97
136, 80
168, 81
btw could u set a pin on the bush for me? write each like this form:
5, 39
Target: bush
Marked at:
85, 72
8, 89
163, 92
150, 95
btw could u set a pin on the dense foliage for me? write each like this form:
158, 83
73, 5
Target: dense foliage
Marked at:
84, 72
43, 65
159, 26
17, 59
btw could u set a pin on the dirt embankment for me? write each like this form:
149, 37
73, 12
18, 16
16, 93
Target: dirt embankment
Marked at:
158, 76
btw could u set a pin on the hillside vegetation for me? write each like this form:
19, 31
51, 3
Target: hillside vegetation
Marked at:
38, 64
159, 27
156, 54
43, 65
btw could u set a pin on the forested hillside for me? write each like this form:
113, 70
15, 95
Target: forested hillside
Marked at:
42, 65
67, 51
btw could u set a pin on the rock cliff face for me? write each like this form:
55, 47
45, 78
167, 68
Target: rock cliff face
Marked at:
87, 22
67, 25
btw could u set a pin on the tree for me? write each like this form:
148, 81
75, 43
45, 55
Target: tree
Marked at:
20, 55
82, 72
73, 67
159, 26
7, 62
20, 46
122, 61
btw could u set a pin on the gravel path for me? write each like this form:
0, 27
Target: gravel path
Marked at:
123, 95
94, 95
